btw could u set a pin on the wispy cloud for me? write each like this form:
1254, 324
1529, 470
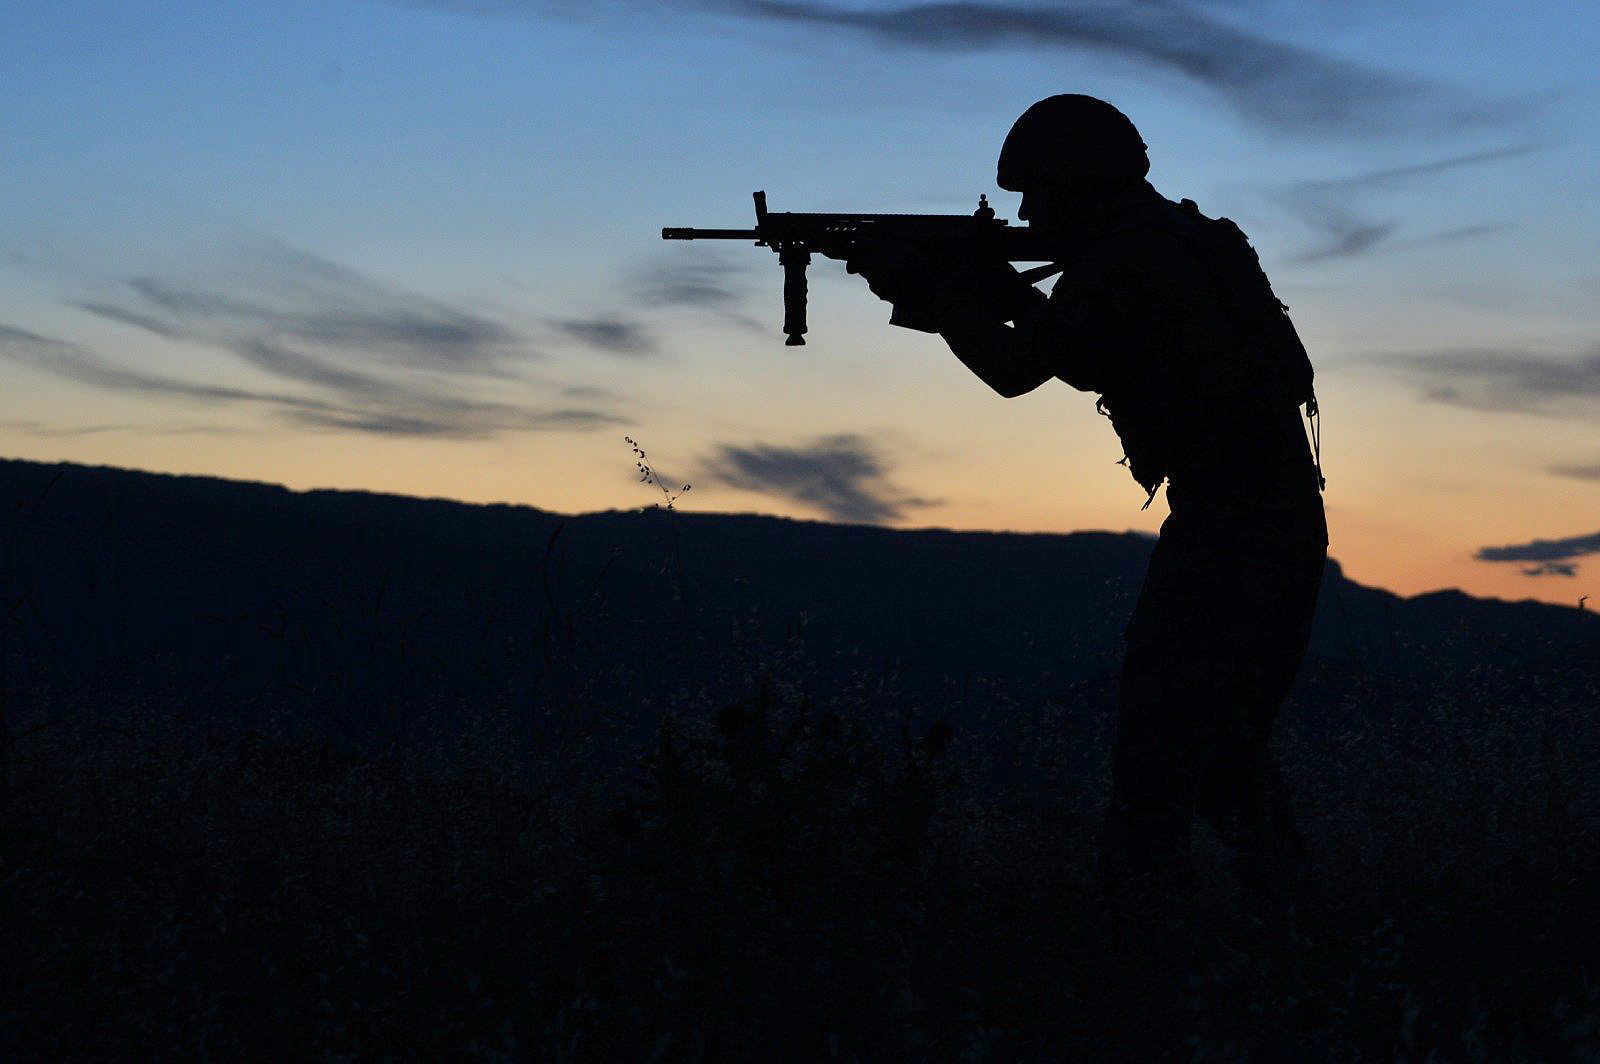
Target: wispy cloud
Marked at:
1501, 380
587, 393
690, 277
842, 476
1460, 232
1550, 569
612, 335
1334, 209
346, 351
1551, 557
124, 316
29, 427
704, 280
1578, 472
86, 367
1344, 233
1390, 176
1281, 86
295, 298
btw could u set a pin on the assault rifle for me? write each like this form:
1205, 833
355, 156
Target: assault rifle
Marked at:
975, 238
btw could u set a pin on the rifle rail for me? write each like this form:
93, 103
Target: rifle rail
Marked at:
794, 235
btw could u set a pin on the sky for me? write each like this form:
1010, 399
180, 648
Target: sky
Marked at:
415, 247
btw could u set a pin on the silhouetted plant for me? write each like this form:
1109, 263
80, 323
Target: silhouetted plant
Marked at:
647, 475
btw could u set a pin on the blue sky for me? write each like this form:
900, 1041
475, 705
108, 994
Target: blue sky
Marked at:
414, 247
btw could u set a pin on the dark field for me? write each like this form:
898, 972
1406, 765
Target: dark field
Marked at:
771, 879
343, 777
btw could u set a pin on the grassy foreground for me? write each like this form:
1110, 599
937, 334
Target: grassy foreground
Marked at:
777, 880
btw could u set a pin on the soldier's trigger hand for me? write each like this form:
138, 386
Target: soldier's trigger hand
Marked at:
834, 247
882, 256
894, 271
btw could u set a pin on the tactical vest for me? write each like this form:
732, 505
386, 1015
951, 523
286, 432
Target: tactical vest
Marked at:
1260, 319
1263, 370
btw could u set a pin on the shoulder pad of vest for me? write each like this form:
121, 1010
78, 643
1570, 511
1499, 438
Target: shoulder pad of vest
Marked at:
1231, 227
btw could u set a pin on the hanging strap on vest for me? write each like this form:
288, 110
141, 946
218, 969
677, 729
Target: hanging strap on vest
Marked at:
1314, 419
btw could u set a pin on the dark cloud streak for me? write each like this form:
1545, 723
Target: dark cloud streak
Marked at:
1551, 557
84, 366
611, 335
1331, 207
396, 413
296, 366
1501, 380
697, 279
1551, 569
1346, 234
842, 476
1285, 87
700, 279
39, 428
1395, 174
360, 355
326, 307
124, 316
1282, 86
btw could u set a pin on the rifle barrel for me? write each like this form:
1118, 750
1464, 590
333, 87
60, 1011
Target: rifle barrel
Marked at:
710, 234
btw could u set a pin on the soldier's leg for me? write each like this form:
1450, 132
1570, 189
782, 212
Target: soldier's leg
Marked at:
1145, 841
1241, 789
1241, 792
1145, 866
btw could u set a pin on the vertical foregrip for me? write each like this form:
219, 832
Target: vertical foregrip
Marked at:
794, 260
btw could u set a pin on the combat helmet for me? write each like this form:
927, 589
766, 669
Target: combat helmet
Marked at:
1071, 137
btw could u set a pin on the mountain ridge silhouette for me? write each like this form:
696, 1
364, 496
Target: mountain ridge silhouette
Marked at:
215, 596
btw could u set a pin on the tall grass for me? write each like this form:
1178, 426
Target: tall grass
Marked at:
777, 879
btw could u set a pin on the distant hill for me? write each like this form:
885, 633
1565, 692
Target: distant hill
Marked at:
217, 597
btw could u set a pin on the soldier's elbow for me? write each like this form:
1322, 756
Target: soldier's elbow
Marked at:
1013, 387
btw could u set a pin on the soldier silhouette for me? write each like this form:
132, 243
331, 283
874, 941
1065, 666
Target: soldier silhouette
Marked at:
1166, 314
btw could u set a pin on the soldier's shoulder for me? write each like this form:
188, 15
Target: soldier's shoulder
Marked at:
1162, 236
1186, 216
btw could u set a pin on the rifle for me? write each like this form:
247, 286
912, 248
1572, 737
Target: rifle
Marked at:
978, 237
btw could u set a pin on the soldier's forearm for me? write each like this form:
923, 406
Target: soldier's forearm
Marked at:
1005, 358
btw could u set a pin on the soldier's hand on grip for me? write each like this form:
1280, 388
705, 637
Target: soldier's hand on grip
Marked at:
895, 270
